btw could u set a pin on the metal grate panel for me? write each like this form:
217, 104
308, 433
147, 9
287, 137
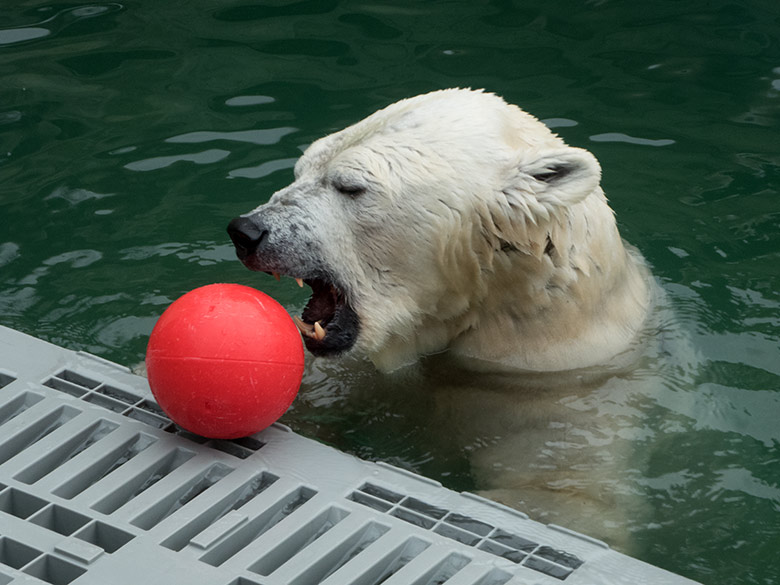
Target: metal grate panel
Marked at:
98, 486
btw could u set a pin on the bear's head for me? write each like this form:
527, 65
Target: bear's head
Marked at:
428, 219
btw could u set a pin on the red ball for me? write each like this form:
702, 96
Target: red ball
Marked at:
224, 361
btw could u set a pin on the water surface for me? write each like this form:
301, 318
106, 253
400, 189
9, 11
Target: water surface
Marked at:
130, 133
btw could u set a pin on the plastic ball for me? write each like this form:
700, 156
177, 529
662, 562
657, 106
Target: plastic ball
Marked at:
224, 361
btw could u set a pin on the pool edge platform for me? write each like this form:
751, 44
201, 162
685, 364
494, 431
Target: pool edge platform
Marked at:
98, 487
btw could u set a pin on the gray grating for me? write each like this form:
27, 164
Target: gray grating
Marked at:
140, 407
469, 531
98, 486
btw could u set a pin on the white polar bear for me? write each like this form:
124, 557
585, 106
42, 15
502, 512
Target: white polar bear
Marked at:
453, 221
455, 224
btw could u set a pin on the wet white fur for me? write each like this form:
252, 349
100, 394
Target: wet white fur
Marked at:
445, 248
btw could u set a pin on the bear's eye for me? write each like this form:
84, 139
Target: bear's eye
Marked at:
552, 174
349, 189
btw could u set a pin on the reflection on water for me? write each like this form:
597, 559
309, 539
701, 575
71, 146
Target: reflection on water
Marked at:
52, 24
131, 134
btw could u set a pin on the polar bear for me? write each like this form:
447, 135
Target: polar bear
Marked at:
453, 221
456, 231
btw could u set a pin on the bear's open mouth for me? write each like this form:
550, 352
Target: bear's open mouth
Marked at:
329, 324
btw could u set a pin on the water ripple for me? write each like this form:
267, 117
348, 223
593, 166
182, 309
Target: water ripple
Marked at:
620, 137
160, 162
261, 137
264, 169
55, 23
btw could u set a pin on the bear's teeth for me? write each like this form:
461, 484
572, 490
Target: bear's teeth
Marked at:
316, 331
304, 328
278, 276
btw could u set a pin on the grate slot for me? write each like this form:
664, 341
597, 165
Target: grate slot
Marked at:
65, 451
254, 487
148, 418
547, 568
371, 501
180, 497
20, 504
35, 431
107, 537
513, 541
148, 412
54, 570
135, 486
341, 554
299, 540
444, 570
412, 518
269, 518
257, 485
422, 508
241, 448
468, 524
393, 562
558, 556
106, 402
59, 519
176, 430
381, 493
18, 405
495, 577
104, 465
498, 550
15, 554
66, 387
558, 564
5, 379
150, 406
75, 379
118, 395
461, 536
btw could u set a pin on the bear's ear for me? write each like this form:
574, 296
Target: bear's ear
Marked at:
560, 176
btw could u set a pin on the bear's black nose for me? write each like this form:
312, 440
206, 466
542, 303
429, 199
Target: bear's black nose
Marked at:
246, 236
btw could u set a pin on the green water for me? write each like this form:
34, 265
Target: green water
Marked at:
130, 133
